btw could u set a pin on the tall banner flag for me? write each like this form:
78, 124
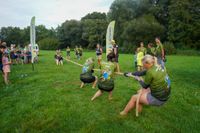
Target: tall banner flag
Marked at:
32, 40
109, 37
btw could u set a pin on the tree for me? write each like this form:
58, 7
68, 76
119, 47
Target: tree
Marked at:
145, 29
94, 29
184, 23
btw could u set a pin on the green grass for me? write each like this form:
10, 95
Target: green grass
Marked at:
50, 100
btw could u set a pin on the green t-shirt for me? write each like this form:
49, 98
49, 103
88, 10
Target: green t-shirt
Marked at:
151, 51
159, 50
80, 50
159, 82
88, 66
144, 50
107, 70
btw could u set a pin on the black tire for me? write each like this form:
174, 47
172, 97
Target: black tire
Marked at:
87, 78
107, 85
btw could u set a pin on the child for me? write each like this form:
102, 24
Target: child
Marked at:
106, 82
6, 67
140, 55
68, 52
86, 76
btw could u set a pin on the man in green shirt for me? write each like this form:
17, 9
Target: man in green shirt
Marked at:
151, 50
160, 54
155, 86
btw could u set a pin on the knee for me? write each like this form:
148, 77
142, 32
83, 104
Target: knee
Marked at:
134, 97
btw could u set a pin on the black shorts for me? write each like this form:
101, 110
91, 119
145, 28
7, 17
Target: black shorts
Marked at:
87, 78
80, 54
1, 67
106, 85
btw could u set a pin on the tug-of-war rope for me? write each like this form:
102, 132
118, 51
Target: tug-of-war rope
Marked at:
118, 73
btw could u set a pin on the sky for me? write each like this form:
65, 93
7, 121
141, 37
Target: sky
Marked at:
50, 13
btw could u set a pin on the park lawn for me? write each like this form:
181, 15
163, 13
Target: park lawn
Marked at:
50, 100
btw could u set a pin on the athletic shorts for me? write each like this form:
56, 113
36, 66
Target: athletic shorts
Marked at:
99, 57
1, 67
154, 101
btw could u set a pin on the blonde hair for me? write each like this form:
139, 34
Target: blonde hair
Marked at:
148, 59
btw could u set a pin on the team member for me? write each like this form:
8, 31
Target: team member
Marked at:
76, 50
155, 86
151, 50
99, 52
80, 51
106, 81
142, 48
140, 56
87, 73
160, 54
116, 54
68, 52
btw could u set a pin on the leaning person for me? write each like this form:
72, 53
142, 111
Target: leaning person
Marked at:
106, 81
155, 89
87, 76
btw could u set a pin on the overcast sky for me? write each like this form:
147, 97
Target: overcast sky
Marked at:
47, 12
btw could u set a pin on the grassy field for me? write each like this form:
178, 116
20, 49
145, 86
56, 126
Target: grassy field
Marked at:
50, 100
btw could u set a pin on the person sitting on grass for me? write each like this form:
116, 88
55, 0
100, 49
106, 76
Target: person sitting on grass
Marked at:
155, 89
6, 67
68, 52
87, 73
106, 81
140, 55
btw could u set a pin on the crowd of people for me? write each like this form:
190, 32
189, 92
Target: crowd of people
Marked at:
78, 52
12, 55
156, 51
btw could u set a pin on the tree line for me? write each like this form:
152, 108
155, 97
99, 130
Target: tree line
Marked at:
176, 22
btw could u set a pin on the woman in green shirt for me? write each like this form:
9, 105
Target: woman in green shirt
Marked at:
106, 81
155, 86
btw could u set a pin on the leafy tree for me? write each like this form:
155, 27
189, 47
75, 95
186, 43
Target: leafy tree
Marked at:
49, 44
145, 29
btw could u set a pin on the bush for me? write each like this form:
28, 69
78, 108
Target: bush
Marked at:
48, 44
169, 48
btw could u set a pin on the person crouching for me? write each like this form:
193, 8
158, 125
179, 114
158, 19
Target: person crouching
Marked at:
87, 73
106, 81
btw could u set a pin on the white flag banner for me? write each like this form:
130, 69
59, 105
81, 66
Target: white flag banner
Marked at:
32, 39
109, 37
